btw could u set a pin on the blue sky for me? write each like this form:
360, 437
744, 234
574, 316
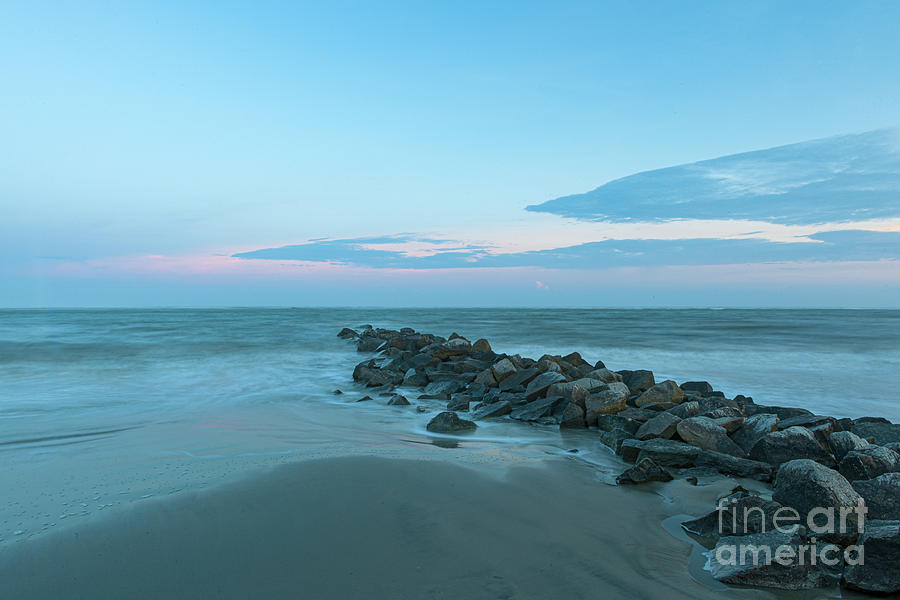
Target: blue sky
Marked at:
144, 146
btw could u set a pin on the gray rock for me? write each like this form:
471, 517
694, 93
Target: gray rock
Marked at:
807, 421
879, 572
700, 387
869, 462
638, 381
882, 432
460, 403
398, 400
538, 409
806, 485
660, 426
346, 333
730, 424
782, 412
489, 411
685, 410
450, 386
537, 387
790, 444
415, 378
754, 429
667, 391
739, 513
618, 421
882, 495
519, 379
645, 470
704, 433
566, 389
842, 442
604, 402
449, 422
503, 369
732, 465
486, 378
572, 417
668, 453
614, 439
754, 562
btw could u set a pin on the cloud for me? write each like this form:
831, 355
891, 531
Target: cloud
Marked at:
842, 178
830, 246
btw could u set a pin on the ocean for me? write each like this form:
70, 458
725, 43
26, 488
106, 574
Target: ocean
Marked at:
103, 408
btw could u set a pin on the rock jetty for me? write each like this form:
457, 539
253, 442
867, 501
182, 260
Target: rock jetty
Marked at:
817, 465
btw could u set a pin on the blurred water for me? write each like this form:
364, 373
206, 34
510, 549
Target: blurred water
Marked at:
80, 371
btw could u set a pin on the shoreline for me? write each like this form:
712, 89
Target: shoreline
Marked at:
817, 465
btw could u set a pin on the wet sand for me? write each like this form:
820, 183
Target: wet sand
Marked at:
366, 527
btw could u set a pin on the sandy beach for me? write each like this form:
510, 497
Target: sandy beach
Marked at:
376, 528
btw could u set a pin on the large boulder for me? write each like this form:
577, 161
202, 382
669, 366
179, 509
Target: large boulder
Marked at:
645, 470
732, 465
638, 381
869, 462
879, 570
566, 389
490, 411
752, 560
739, 513
882, 495
881, 431
398, 400
805, 485
699, 388
449, 422
666, 391
572, 417
704, 433
668, 453
790, 444
519, 379
440, 388
842, 442
603, 402
537, 410
503, 369
538, 386
661, 426
346, 333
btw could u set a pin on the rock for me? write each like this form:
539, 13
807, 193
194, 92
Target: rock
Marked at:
452, 347
337, 392
486, 378
490, 411
660, 426
790, 444
519, 379
538, 386
722, 412
614, 439
807, 421
503, 369
782, 412
843, 442
700, 387
365, 399
459, 403
572, 417
751, 560
668, 453
685, 410
398, 400
439, 388
729, 424
739, 513
732, 465
481, 345
704, 433
895, 446
868, 462
449, 422
882, 495
619, 421
667, 391
370, 344
574, 359
567, 388
415, 378
538, 409
661, 406
604, 402
754, 429
645, 470
883, 432
638, 381
879, 572
805, 485
605, 375
346, 333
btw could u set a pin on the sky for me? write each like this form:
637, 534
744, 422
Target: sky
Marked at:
455, 154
